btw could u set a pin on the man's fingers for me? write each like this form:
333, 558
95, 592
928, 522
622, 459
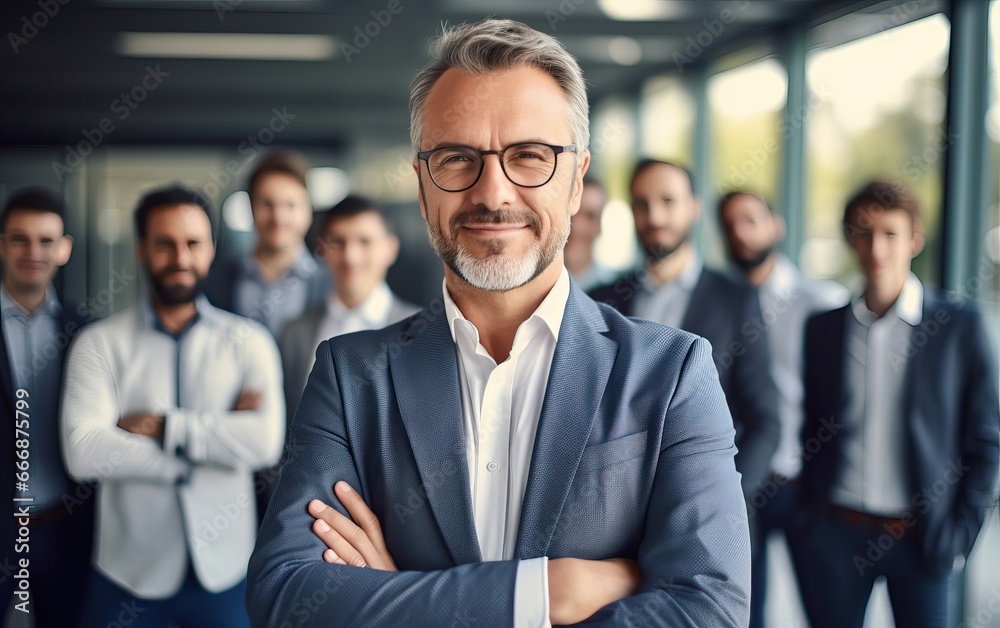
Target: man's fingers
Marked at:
339, 550
248, 400
361, 513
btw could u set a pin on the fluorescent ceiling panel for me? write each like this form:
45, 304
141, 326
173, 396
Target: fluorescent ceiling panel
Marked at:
228, 46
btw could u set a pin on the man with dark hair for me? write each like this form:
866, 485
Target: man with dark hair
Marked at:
279, 280
752, 233
359, 246
676, 289
585, 227
515, 454
901, 390
170, 406
55, 535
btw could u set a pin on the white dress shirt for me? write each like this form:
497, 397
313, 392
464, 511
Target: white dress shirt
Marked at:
787, 300
372, 313
874, 467
193, 497
667, 303
501, 407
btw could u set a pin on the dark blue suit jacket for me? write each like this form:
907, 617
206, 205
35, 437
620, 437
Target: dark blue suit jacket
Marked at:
951, 415
633, 458
69, 325
724, 311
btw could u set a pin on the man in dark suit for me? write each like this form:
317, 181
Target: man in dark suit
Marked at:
52, 547
900, 435
675, 288
515, 453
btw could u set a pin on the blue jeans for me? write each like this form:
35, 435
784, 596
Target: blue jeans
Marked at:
110, 606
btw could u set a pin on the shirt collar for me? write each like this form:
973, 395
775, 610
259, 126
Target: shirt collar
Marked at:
205, 313
303, 266
687, 280
908, 306
549, 312
50, 304
374, 310
781, 281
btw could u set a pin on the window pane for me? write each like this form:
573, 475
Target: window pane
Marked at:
879, 113
667, 116
746, 105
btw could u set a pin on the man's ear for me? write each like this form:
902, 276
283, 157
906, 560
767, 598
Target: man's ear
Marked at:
392, 252
140, 252
779, 227
917, 243
420, 189
581, 170
63, 250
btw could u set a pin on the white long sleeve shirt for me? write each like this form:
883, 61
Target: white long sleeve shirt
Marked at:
501, 406
192, 496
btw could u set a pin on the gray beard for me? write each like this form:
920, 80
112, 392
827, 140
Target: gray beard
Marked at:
498, 271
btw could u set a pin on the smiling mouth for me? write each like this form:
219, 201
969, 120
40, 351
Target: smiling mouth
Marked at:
494, 227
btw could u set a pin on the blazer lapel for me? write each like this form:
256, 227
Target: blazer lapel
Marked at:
700, 300
585, 357
424, 375
6, 378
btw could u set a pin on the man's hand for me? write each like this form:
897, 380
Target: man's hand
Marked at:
143, 424
248, 400
360, 544
579, 588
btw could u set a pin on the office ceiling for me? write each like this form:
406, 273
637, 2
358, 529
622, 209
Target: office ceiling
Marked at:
63, 75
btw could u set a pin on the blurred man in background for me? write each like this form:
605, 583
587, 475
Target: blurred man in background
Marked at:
359, 245
36, 330
676, 289
787, 298
279, 280
584, 229
170, 405
901, 430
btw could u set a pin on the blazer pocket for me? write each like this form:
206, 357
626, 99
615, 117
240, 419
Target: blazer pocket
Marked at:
612, 452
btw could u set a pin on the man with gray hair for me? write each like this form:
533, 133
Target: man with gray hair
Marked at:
515, 454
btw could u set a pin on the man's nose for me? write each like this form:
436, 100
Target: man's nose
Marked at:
493, 190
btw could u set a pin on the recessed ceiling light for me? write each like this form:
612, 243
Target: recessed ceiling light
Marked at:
263, 46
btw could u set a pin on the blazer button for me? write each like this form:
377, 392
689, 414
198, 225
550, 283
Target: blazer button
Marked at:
492, 466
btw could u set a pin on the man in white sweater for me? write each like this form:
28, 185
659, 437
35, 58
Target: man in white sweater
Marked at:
170, 406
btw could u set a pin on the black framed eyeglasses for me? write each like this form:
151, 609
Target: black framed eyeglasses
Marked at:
458, 168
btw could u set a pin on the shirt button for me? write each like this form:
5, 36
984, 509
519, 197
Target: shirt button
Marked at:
492, 466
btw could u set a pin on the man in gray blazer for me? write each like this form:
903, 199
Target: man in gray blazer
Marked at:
359, 245
515, 453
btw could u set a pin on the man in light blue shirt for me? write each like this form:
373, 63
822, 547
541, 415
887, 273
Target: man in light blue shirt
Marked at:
35, 333
279, 280
171, 406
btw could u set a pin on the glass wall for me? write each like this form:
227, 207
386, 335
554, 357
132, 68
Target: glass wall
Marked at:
879, 112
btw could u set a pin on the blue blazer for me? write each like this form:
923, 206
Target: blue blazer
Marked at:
952, 416
723, 311
633, 458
